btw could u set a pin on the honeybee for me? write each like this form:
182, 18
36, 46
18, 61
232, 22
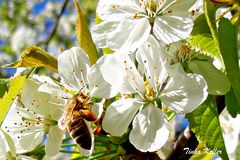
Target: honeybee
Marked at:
74, 120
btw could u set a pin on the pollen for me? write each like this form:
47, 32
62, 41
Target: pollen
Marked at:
193, 12
113, 6
136, 16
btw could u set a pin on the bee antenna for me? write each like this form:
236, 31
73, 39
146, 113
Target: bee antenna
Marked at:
65, 98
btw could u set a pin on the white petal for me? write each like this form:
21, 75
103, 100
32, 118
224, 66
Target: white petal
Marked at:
100, 31
173, 27
73, 67
129, 35
54, 141
97, 85
23, 144
151, 57
20, 131
22, 157
150, 131
4, 148
121, 73
8, 143
54, 90
116, 10
184, 92
181, 6
39, 102
119, 116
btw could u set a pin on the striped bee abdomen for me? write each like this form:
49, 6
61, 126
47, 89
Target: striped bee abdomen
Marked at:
80, 133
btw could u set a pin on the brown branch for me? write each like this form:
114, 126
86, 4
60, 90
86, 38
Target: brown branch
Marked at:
64, 6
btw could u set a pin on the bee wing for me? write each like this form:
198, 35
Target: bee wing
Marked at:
64, 121
97, 109
67, 116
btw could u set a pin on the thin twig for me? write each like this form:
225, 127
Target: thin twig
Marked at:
64, 6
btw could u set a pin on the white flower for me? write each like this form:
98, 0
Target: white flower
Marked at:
32, 115
78, 76
197, 8
231, 130
181, 53
155, 90
8, 150
127, 24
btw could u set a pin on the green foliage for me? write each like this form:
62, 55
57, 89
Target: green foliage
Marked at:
202, 39
210, 12
227, 34
205, 124
218, 82
34, 56
84, 36
8, 98
232, 103
3, 86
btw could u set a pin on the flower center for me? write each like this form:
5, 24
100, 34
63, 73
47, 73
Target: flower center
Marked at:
149, 95
151, 7
184, 54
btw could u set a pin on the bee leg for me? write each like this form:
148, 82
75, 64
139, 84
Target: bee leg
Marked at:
88, 115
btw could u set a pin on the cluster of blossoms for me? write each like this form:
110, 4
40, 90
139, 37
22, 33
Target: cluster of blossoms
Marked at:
152, 71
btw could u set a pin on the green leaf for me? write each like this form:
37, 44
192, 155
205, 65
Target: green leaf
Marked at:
218, 82
3, 86
210, 12
84, 36
34, 56
107, 51
8, 98
201, 38
204, 122
232, 103
227, 34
